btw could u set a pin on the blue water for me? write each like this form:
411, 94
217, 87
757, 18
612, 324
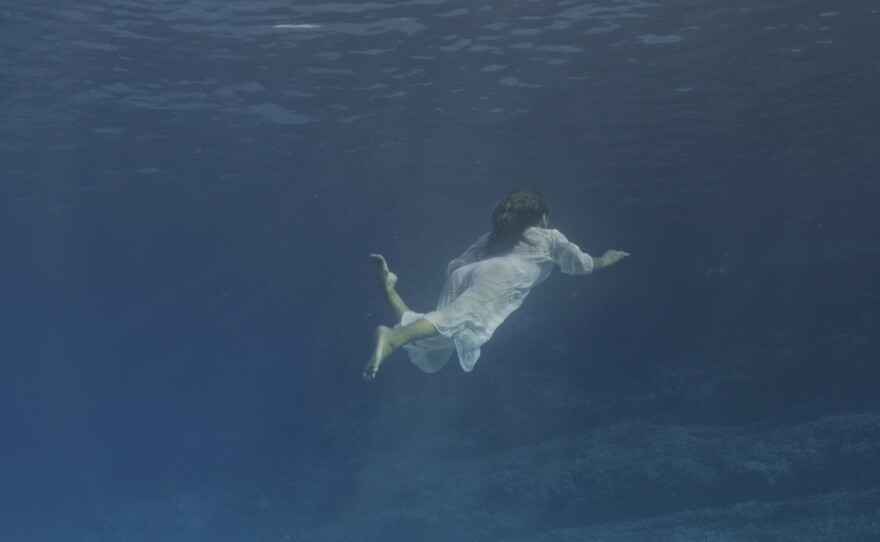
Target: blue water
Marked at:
189, 191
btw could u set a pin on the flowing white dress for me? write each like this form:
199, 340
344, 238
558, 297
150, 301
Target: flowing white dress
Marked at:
480, 293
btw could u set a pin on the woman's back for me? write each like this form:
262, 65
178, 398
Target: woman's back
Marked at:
533, 257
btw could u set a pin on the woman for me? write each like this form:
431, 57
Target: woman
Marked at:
483, 286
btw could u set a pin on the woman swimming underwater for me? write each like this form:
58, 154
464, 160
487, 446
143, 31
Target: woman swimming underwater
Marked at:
483, 286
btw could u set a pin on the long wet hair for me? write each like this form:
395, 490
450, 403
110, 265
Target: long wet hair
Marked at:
520, 210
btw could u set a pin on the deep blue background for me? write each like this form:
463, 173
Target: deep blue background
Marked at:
189, 192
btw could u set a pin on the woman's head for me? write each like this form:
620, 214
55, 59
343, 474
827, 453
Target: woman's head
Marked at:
520, 210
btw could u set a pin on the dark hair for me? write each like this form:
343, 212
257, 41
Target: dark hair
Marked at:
510, 218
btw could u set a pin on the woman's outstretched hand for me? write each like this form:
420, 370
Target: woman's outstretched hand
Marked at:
610, 257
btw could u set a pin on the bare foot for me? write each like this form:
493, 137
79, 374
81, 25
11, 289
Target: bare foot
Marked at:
387, 279
384, 348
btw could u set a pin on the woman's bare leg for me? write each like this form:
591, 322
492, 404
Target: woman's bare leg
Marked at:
390, 339
387, 282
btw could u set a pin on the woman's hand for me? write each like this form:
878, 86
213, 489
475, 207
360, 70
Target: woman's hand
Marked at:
610, 257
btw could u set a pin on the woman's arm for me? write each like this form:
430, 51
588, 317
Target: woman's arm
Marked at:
573, 261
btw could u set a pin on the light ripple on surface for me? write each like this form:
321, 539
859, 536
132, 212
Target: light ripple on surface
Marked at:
65, 66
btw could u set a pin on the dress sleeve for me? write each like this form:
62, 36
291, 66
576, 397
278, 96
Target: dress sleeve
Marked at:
568, 256
472, 254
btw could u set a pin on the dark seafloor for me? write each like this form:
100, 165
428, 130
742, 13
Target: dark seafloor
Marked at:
189, 191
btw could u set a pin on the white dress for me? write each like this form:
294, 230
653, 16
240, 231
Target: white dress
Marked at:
480, 293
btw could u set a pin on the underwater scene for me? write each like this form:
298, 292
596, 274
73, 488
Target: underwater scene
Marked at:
439, 271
